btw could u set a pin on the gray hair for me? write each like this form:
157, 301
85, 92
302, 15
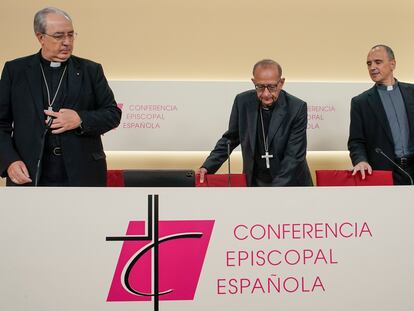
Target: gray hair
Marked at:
267, 63
389, 51
39, 23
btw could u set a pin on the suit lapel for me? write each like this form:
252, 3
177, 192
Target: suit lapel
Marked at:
75, 75
278, 116
408, 97
34, 78
374, 101
252, 114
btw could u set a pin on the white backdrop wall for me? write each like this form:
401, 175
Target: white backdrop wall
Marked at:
192, 115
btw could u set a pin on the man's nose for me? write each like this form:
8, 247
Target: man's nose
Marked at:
266, 92
66, 40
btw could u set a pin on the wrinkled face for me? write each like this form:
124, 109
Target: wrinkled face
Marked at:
57, 42
380, 67
268, 84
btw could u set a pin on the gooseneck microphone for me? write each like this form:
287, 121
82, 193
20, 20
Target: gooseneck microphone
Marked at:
379, 151
42, 148
228, 162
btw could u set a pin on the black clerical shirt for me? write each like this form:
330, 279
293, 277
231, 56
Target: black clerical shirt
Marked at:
261, 174
53, 171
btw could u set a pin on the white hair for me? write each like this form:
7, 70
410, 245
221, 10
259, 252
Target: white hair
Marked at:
39, 23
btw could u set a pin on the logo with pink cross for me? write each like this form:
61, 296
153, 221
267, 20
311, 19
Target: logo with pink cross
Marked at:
159, 260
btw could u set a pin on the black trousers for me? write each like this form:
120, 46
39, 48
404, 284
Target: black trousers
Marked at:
53, 172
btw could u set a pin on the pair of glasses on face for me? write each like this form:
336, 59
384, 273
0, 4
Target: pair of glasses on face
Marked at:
60, 36
270, 87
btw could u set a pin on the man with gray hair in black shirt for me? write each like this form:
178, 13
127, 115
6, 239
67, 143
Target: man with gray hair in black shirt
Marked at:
382, 121
54, 85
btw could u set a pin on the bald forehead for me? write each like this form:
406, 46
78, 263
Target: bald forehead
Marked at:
55, 20
57, 17
266, 67
379, 51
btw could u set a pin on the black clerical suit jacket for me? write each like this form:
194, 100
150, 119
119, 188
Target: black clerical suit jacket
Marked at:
287, 139
369, 127
22, 120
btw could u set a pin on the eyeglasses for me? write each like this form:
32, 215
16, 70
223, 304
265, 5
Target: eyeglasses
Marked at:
60, 37
270, 87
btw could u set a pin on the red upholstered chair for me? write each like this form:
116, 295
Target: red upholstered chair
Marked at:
345, 178
222, 180
115, 178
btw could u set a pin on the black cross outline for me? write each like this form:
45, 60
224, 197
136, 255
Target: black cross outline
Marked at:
152, 227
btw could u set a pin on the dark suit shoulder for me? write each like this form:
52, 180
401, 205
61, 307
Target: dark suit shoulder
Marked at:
246, 99
21, 62
406, 85
247, 95
364, 95
293, 100
83, 62
372, 91
251, 94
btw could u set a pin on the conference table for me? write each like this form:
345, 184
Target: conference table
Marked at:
311, 248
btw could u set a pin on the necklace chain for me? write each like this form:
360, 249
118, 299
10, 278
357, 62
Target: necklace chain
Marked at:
50, 103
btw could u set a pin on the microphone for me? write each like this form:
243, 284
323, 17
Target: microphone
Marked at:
379, 151
228, 162
42, 147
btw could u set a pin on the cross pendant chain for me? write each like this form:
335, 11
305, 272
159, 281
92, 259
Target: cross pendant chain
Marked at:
267, 156
50, 101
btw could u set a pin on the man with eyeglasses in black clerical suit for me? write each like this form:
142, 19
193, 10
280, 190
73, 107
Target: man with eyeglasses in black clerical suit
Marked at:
270, 125
54, 84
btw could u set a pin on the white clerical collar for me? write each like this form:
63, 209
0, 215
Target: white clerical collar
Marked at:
55, 64
388, 88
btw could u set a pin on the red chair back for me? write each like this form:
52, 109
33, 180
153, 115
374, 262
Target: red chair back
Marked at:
345, 178
115, 178
222, 180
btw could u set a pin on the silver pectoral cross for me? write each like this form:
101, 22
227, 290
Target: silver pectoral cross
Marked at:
50, 109
267, 156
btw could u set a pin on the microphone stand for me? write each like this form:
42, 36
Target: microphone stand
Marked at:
228, 162
379, 151
42, 148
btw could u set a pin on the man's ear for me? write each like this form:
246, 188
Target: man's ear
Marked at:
393, 64
40, 37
